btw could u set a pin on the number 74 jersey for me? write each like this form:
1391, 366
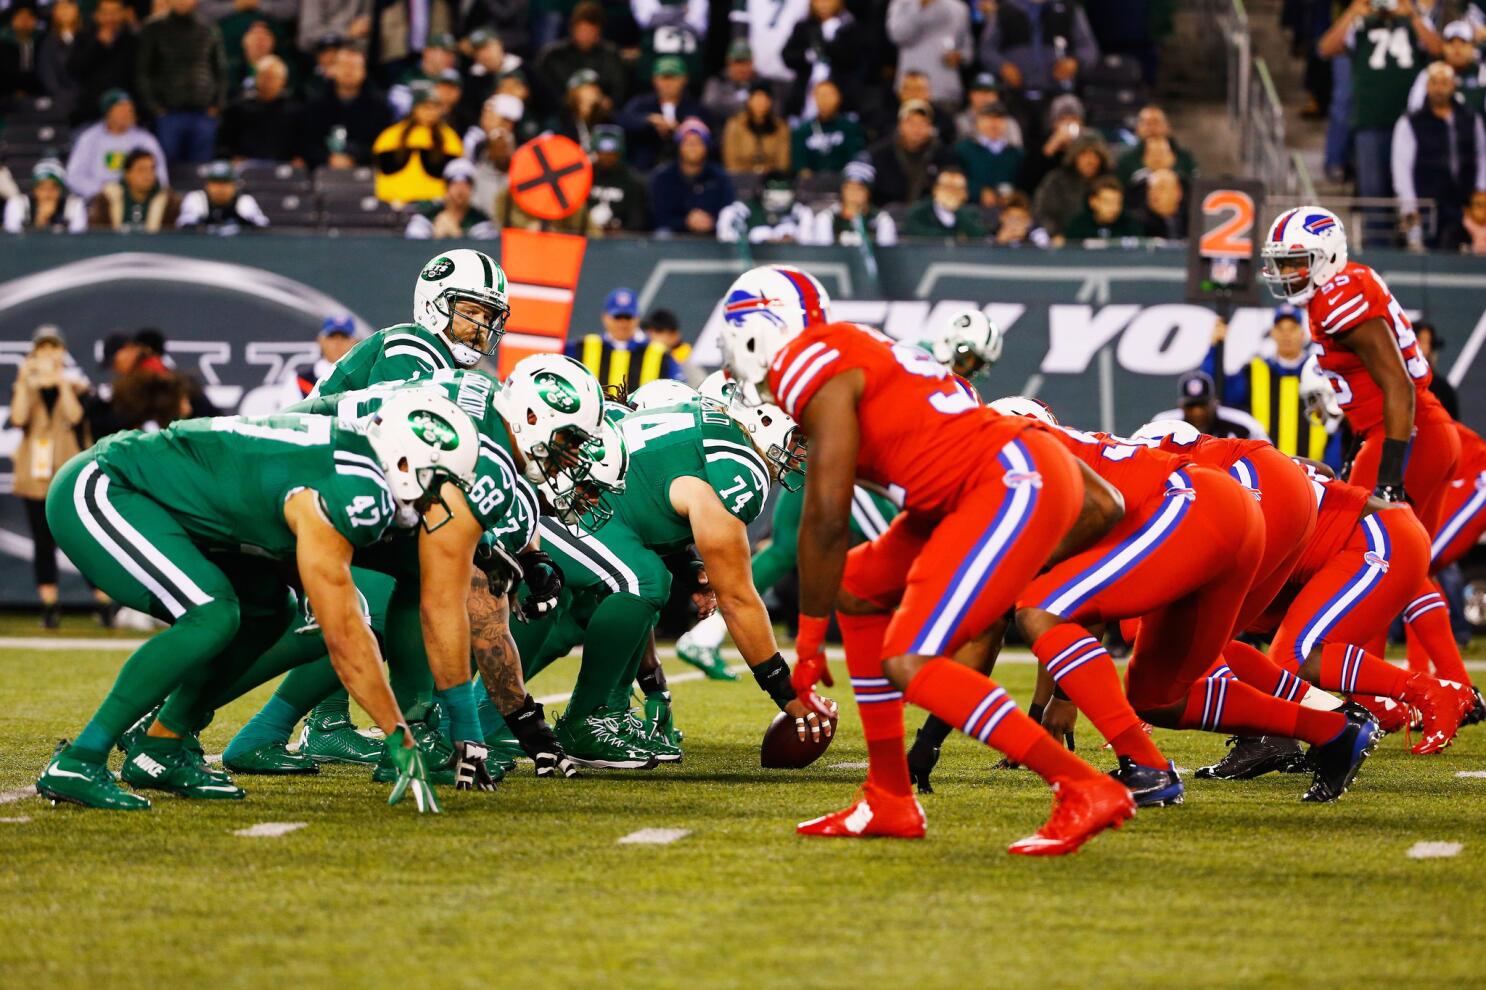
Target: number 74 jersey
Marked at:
924, 437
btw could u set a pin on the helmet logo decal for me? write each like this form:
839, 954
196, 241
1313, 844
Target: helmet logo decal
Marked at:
438, 268
433, 429
1318, 222
741, 303
557, 392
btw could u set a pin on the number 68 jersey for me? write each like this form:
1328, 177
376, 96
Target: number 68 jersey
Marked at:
1350, 299
924, 437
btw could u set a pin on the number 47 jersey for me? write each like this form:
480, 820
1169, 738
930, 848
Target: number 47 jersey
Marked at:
923, 439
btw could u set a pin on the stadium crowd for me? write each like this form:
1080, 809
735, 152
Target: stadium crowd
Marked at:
816, 121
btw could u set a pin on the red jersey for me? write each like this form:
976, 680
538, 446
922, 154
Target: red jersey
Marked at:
1138, 470
1339, 508
1472, 453
922, 437
1355, 296
1214, 452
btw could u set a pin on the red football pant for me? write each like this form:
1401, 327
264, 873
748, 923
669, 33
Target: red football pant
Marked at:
1462, 521
1288, 505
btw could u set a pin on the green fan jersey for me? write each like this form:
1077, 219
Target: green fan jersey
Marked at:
503, 501
225, 478
694, 439
1386, 56
394, 354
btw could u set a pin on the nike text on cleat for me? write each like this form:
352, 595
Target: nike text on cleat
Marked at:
177, 771
1254, 756
874, 814
1081, 810
1152, 787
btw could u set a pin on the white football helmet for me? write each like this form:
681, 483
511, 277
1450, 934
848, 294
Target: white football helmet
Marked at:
469, 276
1318, 395
966, 342
661, 392
553, 406
585, 504
1179, 430
1022, 405
772, 430
763, 311
1305, 249
421, 440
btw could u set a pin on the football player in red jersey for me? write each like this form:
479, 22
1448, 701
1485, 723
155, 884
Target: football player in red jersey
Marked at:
987, 501
1369, 353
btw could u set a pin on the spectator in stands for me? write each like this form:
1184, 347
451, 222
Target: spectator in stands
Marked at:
662, 327
1038, 47
320, 81
492, 156
46, 407
586, 48
646, 360
830, 139
1439, 153
1431, 344
933, 37
756, 139
250, 40
448, 88
991, 162
1471, 238
410, 155
616, 200
181, 78
18, 75
220, 206
1155, 149
438, 55
946, 212
1387, 46
726, 92
264, 125
1016, 228
351, 19
772, 216
454, 216
138, 202
98, 152
854, 219
650, 120
687, 195
340, 154
915, 85
766, 25
1103, 217
524, 125
103, 57
354, 105
907, 160
829, 44
1163, 213
1065, 124
1198, 405
984, 91
585, 108
49, 207
670, 27
489, 60
1461, 55
1066, 189
55, 50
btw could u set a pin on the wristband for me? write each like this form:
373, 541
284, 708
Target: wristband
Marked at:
464, 720
773, 679
1390, 465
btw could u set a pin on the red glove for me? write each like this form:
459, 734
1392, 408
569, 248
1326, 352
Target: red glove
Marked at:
810, 649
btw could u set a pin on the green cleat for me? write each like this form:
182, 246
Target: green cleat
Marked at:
88, 784
438, 752
270, 759
659, 719
177, 770
707, 659
603, 742
334, 739
130, 740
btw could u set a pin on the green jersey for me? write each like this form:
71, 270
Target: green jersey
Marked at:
502, 500
1386, 57
395, 354
693, 439
225, 479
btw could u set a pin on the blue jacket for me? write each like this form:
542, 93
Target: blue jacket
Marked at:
673, 195
646, 148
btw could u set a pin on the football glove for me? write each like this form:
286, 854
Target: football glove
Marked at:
470, 771
544, 582
1390, 493
502, 571
412, 772
529, 725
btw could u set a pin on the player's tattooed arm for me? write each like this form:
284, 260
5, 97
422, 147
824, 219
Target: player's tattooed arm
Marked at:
494, 649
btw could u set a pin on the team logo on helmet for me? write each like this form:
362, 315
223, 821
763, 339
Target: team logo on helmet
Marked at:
741, 302
434, 430
556, 391
438, 268
1317, 222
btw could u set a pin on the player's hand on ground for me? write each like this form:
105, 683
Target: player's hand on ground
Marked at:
471, 772
812, 716
1059, 718
412, 772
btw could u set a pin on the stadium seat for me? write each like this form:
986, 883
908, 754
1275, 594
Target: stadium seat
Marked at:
1113, 72
345, 178
746, 184
186, 175
289, 211
43, 134
267, 177
364, 213
34, 110
1110, 109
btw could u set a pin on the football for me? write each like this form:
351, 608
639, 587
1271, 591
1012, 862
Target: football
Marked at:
782, 748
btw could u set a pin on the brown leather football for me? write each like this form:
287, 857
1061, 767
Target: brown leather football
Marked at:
783, 750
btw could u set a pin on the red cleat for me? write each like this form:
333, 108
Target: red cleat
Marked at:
874, 813
1440, 707
1464, 695
1081, 810
1392, 716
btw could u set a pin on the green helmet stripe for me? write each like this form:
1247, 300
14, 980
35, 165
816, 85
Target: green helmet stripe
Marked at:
485, 263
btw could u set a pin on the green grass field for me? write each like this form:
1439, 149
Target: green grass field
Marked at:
528, 887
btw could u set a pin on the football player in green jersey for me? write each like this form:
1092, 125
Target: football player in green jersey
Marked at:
966, 341
185, 524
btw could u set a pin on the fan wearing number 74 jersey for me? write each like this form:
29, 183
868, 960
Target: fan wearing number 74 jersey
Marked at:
1370, 355
988, 500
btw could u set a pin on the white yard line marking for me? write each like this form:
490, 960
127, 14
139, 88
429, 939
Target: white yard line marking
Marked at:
270, 830
654, 836
68, 643
18, 820
847, 766
20, 793
1470, 773
1434, 850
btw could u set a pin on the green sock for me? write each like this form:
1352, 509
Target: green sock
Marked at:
616, 635
274, 723
308, 685
407, 661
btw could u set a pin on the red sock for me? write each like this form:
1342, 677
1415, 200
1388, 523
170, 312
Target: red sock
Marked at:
1260, 673
1429, 617
978, 707
1418, 655
879, 703
1352, 670
1084, 671
1221, 705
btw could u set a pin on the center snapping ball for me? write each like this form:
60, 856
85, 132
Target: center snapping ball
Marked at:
783, 749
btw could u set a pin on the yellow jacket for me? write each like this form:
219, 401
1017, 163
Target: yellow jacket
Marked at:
410, 161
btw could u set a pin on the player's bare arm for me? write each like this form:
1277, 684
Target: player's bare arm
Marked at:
1103, 507
444, 557
830, 421
494, 649
1377, 348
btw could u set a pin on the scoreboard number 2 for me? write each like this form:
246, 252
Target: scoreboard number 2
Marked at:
1228, 224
